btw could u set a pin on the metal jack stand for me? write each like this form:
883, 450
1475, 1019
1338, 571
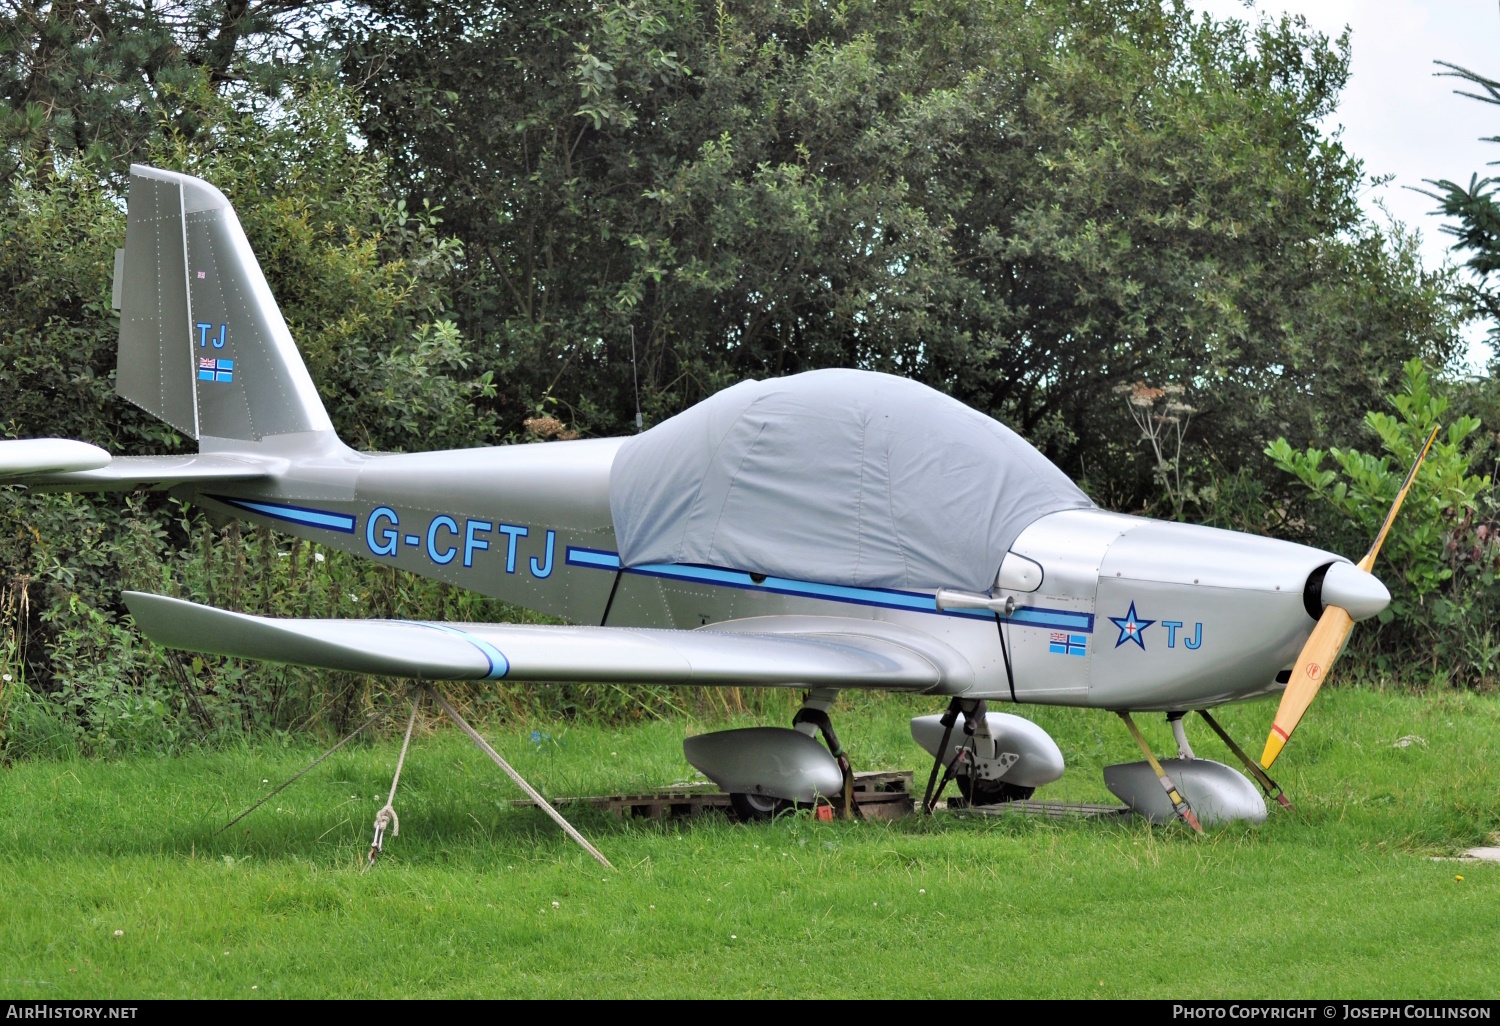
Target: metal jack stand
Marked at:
814, 712
1269, 786
531, 792
1179, 803
386, 817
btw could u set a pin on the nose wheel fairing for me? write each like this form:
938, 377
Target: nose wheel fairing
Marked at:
1200, 792
1217, 793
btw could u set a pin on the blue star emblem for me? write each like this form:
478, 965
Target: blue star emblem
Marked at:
1131, 628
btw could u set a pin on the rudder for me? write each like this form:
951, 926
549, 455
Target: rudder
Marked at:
203, 345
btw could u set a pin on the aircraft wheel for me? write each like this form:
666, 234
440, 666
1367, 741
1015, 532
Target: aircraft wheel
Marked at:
756, 808
991, 792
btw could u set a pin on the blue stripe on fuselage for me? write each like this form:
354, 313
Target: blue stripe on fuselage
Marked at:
293, 514
917, 602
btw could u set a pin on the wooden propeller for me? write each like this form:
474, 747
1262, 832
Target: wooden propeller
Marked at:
1327, 638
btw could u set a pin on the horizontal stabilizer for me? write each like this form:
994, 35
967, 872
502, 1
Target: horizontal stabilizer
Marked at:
128, 473
831, 652
27, 456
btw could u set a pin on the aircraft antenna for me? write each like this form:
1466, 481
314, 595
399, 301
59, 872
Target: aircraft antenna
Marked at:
635, 380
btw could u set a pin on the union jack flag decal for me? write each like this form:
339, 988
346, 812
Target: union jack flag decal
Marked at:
215, 370
1068, 644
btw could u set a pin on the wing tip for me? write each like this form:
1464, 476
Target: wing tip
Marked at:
25, 457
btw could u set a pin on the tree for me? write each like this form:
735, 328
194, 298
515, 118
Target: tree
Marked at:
1478, 215
101, 78
1024, 204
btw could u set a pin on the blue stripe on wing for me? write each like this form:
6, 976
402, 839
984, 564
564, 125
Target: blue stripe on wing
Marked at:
499, 665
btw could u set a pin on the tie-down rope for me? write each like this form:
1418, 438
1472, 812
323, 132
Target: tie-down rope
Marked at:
382, 714
386, 817
531, 792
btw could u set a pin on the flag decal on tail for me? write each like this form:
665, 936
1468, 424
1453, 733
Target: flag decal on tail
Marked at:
215, 370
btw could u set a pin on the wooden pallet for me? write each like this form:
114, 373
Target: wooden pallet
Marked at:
1051, 810
878, 795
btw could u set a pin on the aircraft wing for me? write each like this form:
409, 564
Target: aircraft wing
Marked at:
65, 465
791, 651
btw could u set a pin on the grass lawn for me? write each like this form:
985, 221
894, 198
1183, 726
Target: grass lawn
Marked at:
1340, 899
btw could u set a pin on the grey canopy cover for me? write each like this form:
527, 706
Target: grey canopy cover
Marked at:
837, 476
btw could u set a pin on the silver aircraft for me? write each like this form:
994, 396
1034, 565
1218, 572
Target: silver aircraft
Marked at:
1082, 608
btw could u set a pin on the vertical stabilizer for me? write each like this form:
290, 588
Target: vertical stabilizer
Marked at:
202, 343
155, 364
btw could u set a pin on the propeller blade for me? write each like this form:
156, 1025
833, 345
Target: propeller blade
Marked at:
1328, 637
1385, 528
1312, 666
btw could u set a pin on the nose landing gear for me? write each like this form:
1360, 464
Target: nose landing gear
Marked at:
1198, 791
1180, 804
1184, 750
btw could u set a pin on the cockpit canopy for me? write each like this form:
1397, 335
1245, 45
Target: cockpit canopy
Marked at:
842, 477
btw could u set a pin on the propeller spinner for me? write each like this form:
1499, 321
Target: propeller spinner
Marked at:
1346, 594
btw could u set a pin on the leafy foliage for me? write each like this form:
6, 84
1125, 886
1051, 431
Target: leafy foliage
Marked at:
99, 79
1478, 228
1022, 204
1447, 549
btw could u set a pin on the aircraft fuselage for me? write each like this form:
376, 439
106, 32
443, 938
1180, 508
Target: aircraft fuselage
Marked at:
1129, 612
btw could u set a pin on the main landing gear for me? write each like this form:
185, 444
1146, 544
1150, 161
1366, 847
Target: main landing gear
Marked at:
1200, 792
812, 719
753, 808
972, 762
770, 770
995, 757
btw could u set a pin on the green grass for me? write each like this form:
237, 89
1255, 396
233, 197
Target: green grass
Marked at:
1342, 898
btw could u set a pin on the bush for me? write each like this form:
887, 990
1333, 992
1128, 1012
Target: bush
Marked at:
1444, 547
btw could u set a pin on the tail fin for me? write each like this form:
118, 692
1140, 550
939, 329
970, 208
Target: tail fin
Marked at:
202, 343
